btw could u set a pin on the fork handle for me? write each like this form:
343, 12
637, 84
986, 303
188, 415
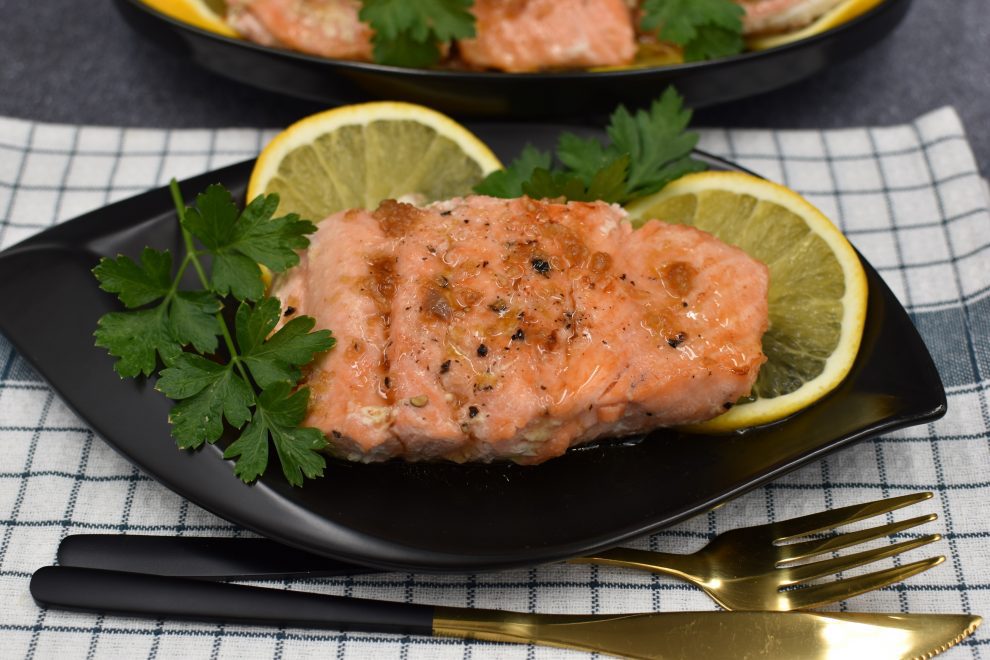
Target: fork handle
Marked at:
686, 567
134, 594
200, 557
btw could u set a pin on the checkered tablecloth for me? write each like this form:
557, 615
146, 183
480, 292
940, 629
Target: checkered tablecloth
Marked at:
909, 197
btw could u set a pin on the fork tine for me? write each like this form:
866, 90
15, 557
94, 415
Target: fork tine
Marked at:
822, 594
818, 522
807, 549
805, 572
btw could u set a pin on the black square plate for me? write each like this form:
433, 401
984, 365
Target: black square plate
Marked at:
440, 516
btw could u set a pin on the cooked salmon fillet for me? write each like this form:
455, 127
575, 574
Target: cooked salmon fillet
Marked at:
330, 28
529, 35
479, 328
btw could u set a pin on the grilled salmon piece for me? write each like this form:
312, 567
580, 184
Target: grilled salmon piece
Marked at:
330, 28
349, 291
496, 329
530, 35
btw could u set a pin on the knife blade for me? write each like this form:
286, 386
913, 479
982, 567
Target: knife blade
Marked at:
651, 636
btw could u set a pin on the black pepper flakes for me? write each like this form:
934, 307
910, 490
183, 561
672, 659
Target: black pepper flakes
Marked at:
445, 213
445, 367
541, 266
519, 335
336, 434
674, 342
289, 311
499, 306
472, 411
727, 405
482, 350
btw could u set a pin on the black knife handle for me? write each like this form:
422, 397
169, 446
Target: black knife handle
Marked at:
156, 596
200, 557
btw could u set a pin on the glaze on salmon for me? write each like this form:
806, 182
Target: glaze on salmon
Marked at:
478, 329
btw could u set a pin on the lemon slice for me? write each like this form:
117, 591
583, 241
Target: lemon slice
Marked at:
357, 155
203, 14
818, 288
841, 13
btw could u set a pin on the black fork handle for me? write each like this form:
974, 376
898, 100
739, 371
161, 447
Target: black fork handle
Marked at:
199, 557
156, 596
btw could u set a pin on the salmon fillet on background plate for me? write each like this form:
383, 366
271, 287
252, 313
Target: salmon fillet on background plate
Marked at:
512, 35
478, 329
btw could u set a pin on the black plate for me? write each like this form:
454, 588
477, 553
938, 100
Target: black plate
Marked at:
493, 94
440, 517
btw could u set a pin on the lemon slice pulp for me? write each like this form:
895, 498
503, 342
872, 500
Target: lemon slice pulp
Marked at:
358, 155
818, 289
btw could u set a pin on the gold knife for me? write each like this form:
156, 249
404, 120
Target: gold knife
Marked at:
713, 635
654, 636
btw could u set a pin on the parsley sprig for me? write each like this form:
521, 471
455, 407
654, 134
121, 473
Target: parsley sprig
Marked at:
249, 381
409, 32
706, 29
647, 150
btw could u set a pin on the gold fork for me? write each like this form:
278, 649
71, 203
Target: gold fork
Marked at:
756, 568
742, 569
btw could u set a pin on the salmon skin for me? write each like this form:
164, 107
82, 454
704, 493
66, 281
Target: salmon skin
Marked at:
478, 329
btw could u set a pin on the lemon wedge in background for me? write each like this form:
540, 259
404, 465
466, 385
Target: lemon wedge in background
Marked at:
842, 13
357, 155
818, 289
204, 14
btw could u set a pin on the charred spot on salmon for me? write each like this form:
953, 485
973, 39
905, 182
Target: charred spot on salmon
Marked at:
678, 278
519, 335
500, 307
436, 305
445, 213
383, 285
600, 262
396, 219
541, 266
473, 411
677, 340
482, 350
445, 367
336, 434
289, 311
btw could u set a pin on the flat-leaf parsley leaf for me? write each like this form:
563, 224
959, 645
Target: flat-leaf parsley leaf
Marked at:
647, 150
250, 386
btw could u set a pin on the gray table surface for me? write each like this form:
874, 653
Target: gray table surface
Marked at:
76, 61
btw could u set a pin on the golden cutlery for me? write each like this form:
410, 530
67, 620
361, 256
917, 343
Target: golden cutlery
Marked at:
656, 636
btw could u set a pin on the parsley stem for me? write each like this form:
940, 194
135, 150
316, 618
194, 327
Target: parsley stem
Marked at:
192, 256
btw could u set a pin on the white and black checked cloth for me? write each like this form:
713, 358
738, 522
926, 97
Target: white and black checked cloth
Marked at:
909, 197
